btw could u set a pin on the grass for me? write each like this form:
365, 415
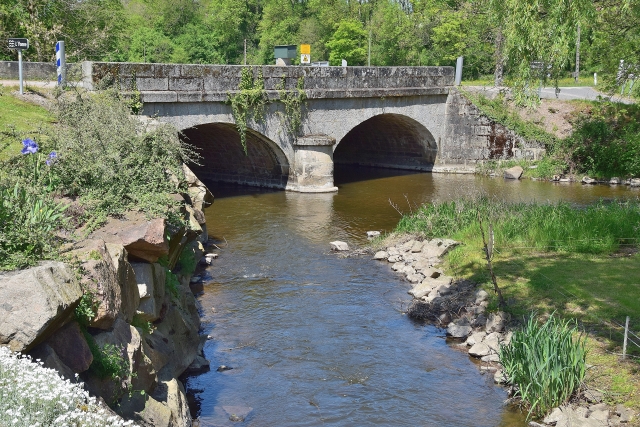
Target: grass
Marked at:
583, 81
547, 361
18, 120
581, 263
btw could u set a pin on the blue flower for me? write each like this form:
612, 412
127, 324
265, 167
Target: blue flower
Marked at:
30, 146
50, 159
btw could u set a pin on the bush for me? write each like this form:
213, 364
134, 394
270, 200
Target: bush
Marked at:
114, 162
31, 395
545, 362
606, 141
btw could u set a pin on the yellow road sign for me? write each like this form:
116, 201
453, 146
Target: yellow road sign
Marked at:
305, 49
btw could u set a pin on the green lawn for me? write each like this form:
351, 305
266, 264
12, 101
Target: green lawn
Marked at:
19, 120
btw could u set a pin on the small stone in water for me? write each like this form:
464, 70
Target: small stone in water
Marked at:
195, 279
235, 418
223, 368
372, 234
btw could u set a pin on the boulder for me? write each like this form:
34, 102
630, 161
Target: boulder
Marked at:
199, 365
615, 181
436, 248
381, 255
50, 360
634, 182
339, 246
126, 279
199, 194
625, 414
53, 294
372, 234
173, 395
415, 278
416, 247
143, 239
155, 414
513, 173
458, 330
481, 295
181, 326
71, 347
479, 350
428, 285
151, 283
565, 416
398, 266
588, 181
496, 322
100, 278
394, 258
475, 338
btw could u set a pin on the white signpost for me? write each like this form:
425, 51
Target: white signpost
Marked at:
61, 65
19, 44
305, 58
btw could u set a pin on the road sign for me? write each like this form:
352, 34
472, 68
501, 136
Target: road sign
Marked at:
305, 49
305, 58
18, 44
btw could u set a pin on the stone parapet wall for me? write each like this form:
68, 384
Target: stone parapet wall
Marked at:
190, 83
37, 70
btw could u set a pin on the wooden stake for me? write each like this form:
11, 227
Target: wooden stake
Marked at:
626, 334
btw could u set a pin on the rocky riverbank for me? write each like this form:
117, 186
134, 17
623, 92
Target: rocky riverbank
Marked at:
460, 307
138, 327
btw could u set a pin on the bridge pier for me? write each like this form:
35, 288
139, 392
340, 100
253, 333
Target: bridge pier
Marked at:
312, 170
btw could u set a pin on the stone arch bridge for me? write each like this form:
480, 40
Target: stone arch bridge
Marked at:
395, 117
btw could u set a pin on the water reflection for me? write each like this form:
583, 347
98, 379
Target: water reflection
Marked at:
317, 340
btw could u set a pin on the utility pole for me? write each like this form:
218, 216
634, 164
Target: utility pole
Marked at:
578, 55
369, 57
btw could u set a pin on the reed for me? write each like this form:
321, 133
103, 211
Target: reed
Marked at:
547, 363
599, 228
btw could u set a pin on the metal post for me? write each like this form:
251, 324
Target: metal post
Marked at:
20, 70
459, 63
626, 333
245, 51
595, 79
61, 64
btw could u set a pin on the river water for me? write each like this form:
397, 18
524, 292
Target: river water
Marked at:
315, 339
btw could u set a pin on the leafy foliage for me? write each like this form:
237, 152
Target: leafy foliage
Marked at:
348, 42
132, 163
546, 362
606, 141
293, 102
248, 103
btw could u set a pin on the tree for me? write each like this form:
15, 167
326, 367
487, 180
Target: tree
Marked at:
348, 42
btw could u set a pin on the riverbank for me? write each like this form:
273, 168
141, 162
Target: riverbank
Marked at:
596, 289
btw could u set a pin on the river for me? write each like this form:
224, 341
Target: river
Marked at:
316, 339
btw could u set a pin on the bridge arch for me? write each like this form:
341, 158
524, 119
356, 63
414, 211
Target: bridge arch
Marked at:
223, 158
388, 140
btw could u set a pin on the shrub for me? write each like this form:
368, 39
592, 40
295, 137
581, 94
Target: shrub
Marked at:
114, 162
31, 395
547, 363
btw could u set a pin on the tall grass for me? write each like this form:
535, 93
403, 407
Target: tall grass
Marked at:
546, 362
598, 228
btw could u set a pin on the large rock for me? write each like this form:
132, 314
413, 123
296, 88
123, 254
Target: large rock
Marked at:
183, 331
50, 360
173, 395
496, 322
151, 283
479, 350
339, 246
126, 279
143, 239
36, 302
635, 182
513, 173
100, 278
71, 347
155, 414
199, 194
436, 248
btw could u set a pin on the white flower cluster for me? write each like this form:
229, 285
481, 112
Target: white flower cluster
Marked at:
34, 396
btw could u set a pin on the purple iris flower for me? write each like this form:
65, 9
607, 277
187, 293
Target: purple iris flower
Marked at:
50, 159
30, 146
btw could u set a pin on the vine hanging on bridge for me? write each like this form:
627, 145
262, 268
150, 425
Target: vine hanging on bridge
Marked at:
249, 102
293, 103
